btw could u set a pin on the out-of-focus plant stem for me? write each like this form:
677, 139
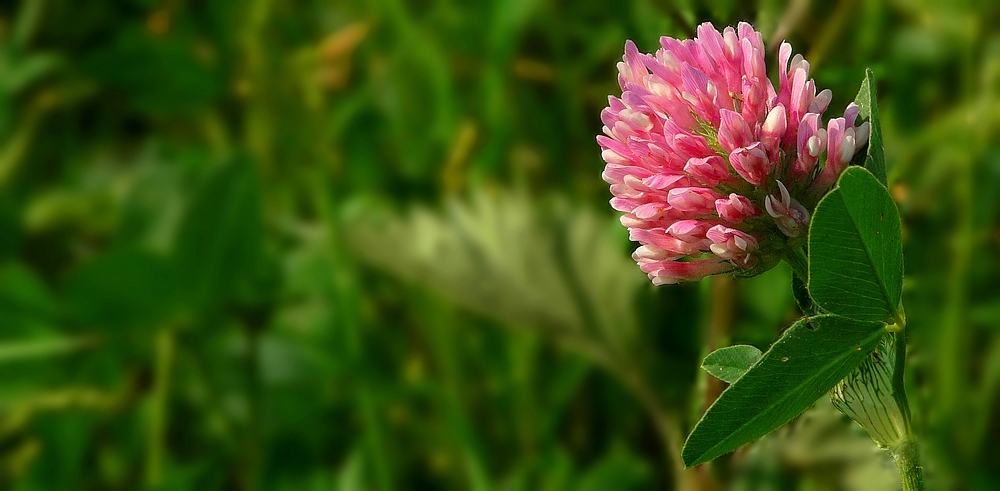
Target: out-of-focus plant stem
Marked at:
164, 347
344, 293
719, 323
633, 377
953, 385
253, 437
447, 357
26, 23
667, 428
831, 32
16, 146
952, 343
258, 130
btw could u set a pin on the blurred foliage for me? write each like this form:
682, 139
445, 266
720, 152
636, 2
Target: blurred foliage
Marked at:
362, 245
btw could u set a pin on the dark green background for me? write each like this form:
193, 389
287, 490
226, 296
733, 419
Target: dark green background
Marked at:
364, 245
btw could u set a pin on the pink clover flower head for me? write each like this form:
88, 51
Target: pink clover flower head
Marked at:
715, 169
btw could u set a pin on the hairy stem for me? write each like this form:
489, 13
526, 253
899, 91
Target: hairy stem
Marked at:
906, 454
907, 459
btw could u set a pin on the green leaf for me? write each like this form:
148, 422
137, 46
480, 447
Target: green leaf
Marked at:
868, 103
122, 288
806, 362
13, 351
27, 305
619, 469
161, 76
220, 239
730, 363
855, 250
22, 292
22, 72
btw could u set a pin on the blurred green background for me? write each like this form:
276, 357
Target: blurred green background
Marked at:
365, 245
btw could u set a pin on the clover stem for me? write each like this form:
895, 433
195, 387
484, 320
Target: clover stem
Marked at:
796, 258
906, 454
907, 459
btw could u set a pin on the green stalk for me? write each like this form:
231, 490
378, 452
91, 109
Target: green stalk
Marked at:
164, 348
796, 258
906, 454
907, 458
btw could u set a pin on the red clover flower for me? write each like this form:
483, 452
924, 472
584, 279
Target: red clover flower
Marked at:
714, 168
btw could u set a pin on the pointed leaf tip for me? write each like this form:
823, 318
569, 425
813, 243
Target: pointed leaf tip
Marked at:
730, 363
867, 101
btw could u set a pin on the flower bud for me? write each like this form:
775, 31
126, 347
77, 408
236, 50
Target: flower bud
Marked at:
733, 131
735, 208
774, 128
791, 217
734, 245
752, 164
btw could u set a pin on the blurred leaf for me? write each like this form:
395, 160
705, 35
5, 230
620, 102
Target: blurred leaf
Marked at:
619, 470
557, 471
806, 362
19, 73
986, 314
29, 308
41, 348
18, 143
123, 288
26, 23
351, 476
513, 258
566, 381
10, 223
820, 438
152, 207
220, 236
23, 293
161, 75
730, 363
855, 250
283, 362
867, 102
21, 410
87, 209
759, 301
